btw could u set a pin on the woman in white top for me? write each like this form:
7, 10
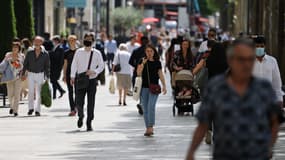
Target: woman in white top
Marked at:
124, 75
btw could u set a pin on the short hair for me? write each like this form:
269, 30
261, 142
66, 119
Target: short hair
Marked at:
46, 35
144, 40
56, 38
240, 41
89, 35
259, 39
213, 30
39, 37
123, 47
72, 37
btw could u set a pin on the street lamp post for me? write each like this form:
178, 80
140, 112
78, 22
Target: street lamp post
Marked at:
98, 6
108, 17
81, 14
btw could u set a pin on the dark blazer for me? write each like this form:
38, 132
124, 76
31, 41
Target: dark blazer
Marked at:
217, 60
136, 57
56, 62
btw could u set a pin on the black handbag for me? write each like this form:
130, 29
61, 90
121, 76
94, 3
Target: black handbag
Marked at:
82, 80
117, 67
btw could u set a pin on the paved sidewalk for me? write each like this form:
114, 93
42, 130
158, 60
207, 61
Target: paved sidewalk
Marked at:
118, 134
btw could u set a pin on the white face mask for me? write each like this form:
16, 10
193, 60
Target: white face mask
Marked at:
259, 52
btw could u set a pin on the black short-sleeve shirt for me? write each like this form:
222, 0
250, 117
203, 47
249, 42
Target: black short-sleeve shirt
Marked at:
68, 55
150, 73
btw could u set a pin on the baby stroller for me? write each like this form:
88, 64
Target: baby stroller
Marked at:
185, 94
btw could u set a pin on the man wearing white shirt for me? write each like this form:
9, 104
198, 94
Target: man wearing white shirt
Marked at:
266, 67
80, 65
132, 45
212, 33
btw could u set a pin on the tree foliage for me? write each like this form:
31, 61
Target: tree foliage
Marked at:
24, 17
125, 18
209, 7
7, 27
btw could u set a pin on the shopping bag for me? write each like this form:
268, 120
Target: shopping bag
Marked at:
46, 99
112, 85
137, 88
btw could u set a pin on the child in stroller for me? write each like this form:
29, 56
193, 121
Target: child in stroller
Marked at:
185, 95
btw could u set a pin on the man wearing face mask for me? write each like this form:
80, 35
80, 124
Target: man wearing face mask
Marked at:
87, 61
266, 67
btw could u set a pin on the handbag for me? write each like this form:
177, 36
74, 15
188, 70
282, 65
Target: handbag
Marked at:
82, 80
153, 88
117, 67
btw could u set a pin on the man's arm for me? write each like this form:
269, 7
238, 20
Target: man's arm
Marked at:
100, 62
25, 65
64, 70
198, 136
274, 133
277, 83
132, 59
47, 66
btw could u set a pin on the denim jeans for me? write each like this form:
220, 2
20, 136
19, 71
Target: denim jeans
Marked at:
148, 102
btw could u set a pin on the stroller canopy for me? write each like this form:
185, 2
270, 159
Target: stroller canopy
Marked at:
184, 75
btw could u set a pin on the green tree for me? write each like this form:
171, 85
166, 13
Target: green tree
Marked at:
8, 26
209, 7
125, 18
24, 17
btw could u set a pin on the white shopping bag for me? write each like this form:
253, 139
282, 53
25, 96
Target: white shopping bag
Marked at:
112, 85
137, 88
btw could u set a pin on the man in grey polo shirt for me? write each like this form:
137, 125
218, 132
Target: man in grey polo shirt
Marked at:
37, 69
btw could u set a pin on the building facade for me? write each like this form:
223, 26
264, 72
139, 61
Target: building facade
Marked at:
266, 18
53, 17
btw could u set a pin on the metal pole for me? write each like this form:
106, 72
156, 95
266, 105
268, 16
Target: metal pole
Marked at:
81, 14
108, 17
98, 20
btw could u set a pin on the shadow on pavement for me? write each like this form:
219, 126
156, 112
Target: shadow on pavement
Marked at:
124, 140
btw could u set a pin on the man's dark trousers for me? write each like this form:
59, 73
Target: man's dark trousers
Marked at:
70, 94
80, 97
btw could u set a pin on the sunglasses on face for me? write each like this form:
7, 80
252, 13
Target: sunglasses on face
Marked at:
241, 59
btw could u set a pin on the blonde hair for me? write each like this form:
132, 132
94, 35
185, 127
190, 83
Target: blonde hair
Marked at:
72, 37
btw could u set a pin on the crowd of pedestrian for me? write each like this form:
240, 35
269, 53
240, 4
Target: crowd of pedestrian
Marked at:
239, 81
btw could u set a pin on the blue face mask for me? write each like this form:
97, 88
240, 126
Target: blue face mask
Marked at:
259, 52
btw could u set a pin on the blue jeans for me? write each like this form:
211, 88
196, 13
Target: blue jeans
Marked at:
148, 102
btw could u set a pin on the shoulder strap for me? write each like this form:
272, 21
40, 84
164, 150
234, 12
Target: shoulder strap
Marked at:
90, 60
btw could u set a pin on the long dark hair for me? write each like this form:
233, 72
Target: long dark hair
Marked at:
156, 56
189, 55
